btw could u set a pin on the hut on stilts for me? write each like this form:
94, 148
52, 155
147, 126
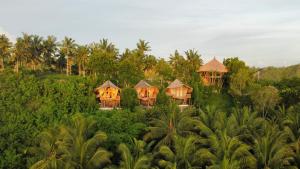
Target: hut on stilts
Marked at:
108, 95
146, 93
180, 92
212, 73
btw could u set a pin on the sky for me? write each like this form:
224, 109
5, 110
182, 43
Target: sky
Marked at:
260, 32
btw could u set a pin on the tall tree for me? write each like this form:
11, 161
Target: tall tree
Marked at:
178, 64
50, 46
81, 58
68, 48
103, 59
5, 46
36, 48
265, 98
194, 62
22, 51
130, 68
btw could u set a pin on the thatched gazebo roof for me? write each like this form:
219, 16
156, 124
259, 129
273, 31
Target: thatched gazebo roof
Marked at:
142, 84
108, 84
213, 66
176, 84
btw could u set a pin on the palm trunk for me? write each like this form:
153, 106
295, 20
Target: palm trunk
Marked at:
83, 71
17, 67
1, 64
69, 66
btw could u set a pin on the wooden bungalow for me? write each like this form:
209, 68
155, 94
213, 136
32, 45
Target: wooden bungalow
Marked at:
108, 95
146, 93
212, 73
179, 92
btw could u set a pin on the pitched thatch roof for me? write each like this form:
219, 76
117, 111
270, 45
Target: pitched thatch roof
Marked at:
177, 83
108, 84
142, 84
213, 66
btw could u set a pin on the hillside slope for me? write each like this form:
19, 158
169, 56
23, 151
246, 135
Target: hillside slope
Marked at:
278, 73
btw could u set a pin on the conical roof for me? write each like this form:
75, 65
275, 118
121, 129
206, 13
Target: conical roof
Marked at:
142, 84
213, 66
108, 84
177, 83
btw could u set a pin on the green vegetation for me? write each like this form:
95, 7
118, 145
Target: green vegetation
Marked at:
279, 73
50, 119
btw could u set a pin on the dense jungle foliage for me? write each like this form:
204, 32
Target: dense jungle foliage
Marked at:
52, 120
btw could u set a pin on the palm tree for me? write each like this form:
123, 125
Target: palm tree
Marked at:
36, 49
68, 47
22, 51
183, 155
194, 59
134, 160
5, 46
82, 54
77, 145
271, 149
246, 124
169, 124
291, 127
220, 151
143, 46
50, 49
50, 151
103, 59
179, 65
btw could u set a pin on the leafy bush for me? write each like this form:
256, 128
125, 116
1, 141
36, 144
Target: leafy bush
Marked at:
129, 98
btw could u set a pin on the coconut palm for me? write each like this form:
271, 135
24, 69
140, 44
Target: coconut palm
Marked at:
50, 49
36, 50
82, 54
194, 60
271, 149
138, 159
68, 48
83, 142
143, 46
5, 46
246, 124
21, 51
183, 155
220, 151
171, 123
103, 59
292, 128
50, 151
77, 145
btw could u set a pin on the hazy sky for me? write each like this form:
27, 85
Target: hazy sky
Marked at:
261, 32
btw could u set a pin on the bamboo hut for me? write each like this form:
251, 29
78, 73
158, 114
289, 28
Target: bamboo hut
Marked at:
179, 92
108, 95
212, 73
146, 93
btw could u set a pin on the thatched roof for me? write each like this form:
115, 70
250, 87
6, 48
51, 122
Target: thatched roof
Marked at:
213, 66
177, 83
142, 84
108, 84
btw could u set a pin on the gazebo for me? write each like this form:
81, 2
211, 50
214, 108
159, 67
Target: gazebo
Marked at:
109, 95
146, 93
212, 73
179, 91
